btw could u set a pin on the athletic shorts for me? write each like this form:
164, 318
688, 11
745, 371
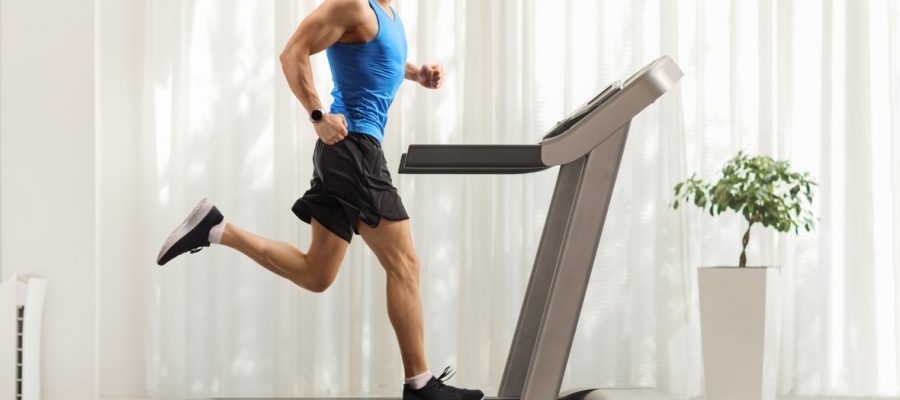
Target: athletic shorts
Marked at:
350, 183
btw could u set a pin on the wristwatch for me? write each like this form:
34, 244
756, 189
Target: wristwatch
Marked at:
316, 116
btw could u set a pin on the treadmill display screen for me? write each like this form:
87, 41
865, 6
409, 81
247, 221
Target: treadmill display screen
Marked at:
584, 110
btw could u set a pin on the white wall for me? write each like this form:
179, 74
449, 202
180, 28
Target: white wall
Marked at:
47, 180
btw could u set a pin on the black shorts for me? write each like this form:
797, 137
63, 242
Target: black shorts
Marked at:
350, 183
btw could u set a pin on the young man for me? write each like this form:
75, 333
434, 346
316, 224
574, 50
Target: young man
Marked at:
351, 187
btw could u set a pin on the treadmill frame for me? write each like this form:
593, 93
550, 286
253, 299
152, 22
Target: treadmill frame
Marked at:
562, 269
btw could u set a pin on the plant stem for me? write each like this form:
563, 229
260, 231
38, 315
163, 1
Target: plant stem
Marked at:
743, 262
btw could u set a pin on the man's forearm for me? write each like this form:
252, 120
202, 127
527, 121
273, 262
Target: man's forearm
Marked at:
298, 71
412, 72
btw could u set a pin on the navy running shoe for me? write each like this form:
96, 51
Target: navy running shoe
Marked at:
436, 389
193, 234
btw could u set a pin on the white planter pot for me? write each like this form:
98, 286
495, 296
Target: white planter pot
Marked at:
740, 310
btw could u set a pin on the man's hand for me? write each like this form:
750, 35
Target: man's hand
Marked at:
430, 76
332, 128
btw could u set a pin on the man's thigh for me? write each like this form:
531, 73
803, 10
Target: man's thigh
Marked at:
391, 242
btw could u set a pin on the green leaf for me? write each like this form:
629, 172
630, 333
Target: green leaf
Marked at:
758, 188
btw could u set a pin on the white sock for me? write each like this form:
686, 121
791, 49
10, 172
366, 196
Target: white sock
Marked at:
417, 382
215, 233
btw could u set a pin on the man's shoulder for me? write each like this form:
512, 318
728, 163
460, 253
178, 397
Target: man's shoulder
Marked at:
350, 9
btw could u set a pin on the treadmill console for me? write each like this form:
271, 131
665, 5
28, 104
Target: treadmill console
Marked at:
584, 110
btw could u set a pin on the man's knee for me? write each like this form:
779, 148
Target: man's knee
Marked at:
402, 265
317, 282
320, 273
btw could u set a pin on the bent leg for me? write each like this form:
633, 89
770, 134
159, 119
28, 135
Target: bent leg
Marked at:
315, 270
392, 244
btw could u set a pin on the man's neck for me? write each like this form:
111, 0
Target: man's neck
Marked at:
384, 3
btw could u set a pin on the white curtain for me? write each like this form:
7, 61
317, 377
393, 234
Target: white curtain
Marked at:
815, 82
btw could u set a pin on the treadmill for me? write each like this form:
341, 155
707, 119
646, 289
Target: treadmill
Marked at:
587, 146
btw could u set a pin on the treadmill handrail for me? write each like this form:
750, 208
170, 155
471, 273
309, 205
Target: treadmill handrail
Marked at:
471, 159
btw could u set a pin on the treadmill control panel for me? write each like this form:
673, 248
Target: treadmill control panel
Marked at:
584, 110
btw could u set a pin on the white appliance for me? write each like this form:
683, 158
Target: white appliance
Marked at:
21, 312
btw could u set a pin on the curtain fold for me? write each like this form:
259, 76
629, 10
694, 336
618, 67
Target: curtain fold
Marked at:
815, 82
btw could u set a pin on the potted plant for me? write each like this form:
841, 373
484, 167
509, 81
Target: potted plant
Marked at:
740, 307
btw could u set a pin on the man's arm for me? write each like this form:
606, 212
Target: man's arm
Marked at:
319, 30
429, 75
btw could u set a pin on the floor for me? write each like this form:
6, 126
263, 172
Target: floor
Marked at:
602, 394
623, 397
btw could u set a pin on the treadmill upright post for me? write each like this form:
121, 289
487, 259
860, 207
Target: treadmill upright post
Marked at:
565, 257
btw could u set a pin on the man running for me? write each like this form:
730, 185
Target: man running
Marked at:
351, 190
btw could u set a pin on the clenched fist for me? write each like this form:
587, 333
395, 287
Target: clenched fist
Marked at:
431, 76
332, 128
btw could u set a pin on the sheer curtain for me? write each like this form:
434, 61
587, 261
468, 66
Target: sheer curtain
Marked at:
816, 82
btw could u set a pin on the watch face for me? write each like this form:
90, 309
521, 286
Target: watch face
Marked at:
316, 115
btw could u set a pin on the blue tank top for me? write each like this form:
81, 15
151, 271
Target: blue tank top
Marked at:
367, 75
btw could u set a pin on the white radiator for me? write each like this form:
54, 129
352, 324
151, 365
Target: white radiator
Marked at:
21, 310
